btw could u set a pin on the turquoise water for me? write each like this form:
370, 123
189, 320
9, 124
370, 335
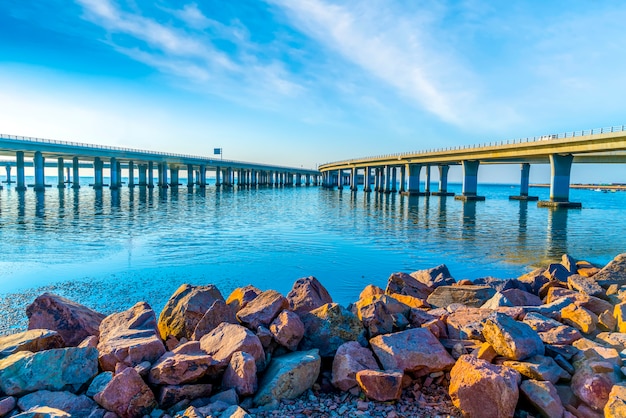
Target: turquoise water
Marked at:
271, 237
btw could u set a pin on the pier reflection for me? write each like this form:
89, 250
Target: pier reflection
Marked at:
556, 237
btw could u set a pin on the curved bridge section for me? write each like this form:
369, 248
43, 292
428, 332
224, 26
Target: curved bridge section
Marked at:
35, 151
380, 173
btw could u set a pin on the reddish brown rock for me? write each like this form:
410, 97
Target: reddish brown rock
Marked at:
227, 339
187, 363
127, 395
262, 310
520, 297
544, 397
404, 284
434, 277
534, 280
593, 386
376, 318
307, 294
379, 385
129, 337
185, 309
240, 374
483, 390
170, 395
512, 339
287, 329
415, 350
32, 340
467, 323
217, 313
351, 357
7, 404
73, 321
471, 295
241, 296
612, 273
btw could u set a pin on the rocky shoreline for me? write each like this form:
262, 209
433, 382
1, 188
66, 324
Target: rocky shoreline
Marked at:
549, 343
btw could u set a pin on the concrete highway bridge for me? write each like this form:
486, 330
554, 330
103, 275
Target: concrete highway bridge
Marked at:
140, 165
380, 173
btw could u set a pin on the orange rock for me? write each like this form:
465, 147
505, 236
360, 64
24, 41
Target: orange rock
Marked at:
241, 296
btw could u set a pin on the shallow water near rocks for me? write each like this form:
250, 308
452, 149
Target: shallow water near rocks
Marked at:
110, 249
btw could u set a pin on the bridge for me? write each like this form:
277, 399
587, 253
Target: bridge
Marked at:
380, 173
33, 152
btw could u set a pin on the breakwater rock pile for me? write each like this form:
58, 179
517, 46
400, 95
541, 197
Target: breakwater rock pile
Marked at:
549, 343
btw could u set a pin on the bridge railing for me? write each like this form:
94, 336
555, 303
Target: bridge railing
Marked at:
139, 151
572, 134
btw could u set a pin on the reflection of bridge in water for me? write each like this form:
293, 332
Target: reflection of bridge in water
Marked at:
140, 166
605, 145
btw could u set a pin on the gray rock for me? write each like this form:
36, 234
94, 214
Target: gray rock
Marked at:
79, 406
289, 376
512, 339
469, 295
612, 273
32, 340
55, 369
99, 383
404, 284
585, 285
434, 277
544, 397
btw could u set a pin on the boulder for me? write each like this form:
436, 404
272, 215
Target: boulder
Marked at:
127, 395
467, 323
228, 396
287, 329
73, 321
350, 358
235, 411
616, 340
569, 263
539, 368
404, 284
579, 318
329, 326
170, 395
56, 369
32, 340
187, 363
616, 405
612, 273
7, 404
371, 290
307, 294
593, 386
129, 338
227, 339
185, 309
619, 313
380, 386
497, 301
585, 285
557, 272
217, 313
534, 280
241, 296
434, 277
414, 350
540, 323
98, 383
561, 335
586, 269
288, 376
376, 318
79, 406
543, 396
240, 374
481, 389
510, 338
468, 295
520, 297
262, 310
43, 412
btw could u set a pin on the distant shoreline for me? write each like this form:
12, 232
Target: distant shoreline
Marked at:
620, 187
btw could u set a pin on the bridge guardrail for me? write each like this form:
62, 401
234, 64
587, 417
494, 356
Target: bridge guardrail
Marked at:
139, 151
572, 134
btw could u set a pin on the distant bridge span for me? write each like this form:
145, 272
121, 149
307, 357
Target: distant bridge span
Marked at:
604, 145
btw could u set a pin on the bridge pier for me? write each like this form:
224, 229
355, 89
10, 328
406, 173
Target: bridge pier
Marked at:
75, 176
470, 181
394, 179
413, 185
174, 173
524, 182
143, 174
387, 187
443, 181
353, 179
8, 180
339, 179
560, 168
131, 174
39, 161
97, 173
402, 179
366, 180
21, 180
113, 178
60, 173
427, 181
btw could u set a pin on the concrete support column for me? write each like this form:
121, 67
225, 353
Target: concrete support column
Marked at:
113, 174
150, 174
131, 174
376, 179
339, 180
387, 187
443, 181
21, 182
366, 179
307, 180
394, 179
61, 173
39, 162
218, 173
8, 168
524, 183
427, 184
174, 172
189, 175
353, 179
470, 181
118, 167
413, 186
97, 173
202, 178
402, 179
75, 176
560, 169
164, 167
143, 169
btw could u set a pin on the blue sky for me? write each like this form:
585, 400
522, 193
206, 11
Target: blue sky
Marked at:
303, 82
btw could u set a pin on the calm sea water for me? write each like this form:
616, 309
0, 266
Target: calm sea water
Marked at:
134, 241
